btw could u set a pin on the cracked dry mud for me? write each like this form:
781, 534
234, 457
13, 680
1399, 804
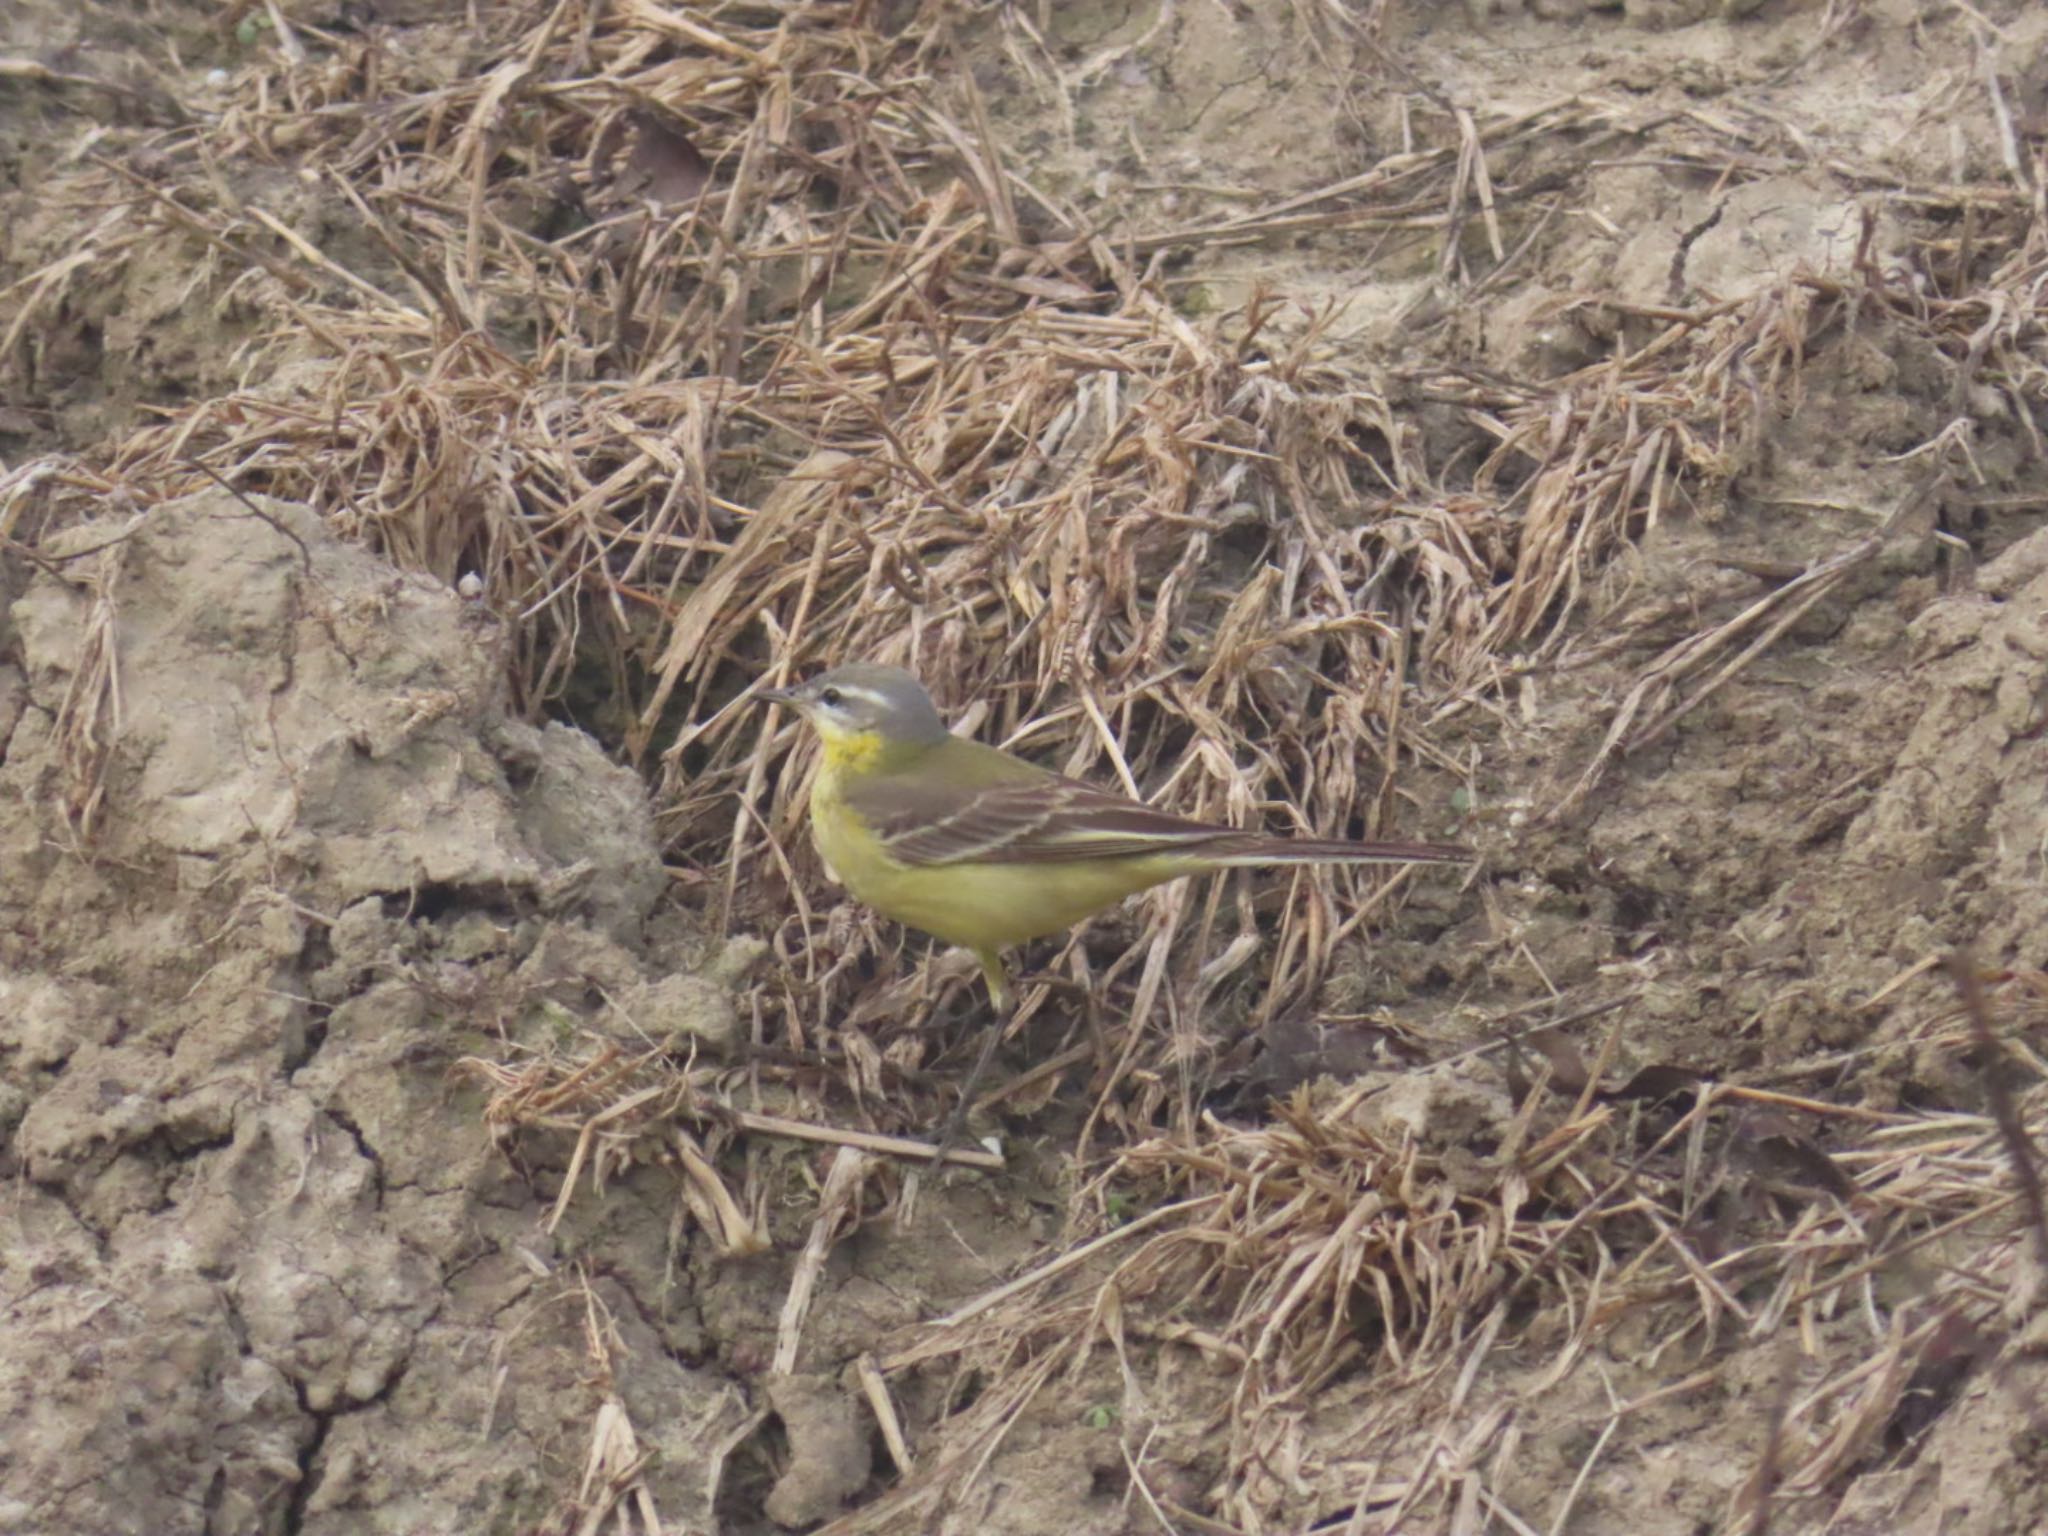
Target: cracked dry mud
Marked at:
252, 1231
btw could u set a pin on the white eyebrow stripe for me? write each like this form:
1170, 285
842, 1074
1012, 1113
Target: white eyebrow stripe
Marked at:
864, 695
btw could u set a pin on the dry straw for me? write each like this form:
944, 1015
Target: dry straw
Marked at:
727, 342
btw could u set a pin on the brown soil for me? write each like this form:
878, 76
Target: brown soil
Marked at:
307, 928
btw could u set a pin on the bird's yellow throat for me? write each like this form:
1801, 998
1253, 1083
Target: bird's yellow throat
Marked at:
852, 755
850, 752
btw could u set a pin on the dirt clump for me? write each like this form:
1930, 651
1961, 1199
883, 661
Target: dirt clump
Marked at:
270, 870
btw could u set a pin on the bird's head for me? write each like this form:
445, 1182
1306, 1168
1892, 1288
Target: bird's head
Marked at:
864, 712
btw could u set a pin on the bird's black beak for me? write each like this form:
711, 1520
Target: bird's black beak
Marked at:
776, 696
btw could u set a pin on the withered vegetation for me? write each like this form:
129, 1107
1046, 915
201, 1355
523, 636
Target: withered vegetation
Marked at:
722, 343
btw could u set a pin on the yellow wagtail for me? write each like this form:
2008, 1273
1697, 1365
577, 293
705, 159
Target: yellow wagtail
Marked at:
985, 850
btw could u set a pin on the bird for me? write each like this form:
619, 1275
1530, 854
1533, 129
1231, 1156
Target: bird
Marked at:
986, 850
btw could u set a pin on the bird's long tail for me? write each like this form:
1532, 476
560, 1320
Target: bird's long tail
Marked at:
1255, 848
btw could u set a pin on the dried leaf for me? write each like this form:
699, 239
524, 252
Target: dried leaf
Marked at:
663, 166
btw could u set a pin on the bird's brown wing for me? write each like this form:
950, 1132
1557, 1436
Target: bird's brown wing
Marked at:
967, 803
932, 819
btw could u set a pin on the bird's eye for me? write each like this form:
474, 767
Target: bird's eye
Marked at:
829, 697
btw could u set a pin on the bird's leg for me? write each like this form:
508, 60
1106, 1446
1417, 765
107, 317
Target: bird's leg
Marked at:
1005, 1002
